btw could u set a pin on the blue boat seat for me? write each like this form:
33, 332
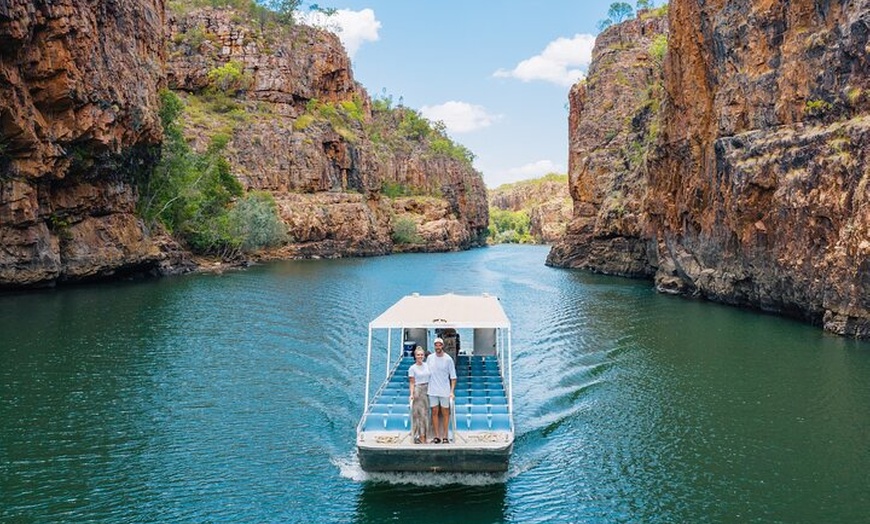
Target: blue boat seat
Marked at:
498, 410
375, 422
397, 422
501, 422
381, 408
478, 409
498, 400
478, 422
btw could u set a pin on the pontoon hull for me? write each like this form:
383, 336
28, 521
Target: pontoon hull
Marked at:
435, 458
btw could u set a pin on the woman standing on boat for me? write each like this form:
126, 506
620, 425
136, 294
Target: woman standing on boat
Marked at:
418, 375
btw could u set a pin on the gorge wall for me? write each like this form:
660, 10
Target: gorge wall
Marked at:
612, 123
327, 179
79, 126
755, 191
546, 201
76, 125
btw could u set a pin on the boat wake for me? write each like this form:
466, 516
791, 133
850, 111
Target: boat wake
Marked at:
349, 468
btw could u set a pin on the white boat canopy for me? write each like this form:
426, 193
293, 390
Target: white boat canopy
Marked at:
455, 311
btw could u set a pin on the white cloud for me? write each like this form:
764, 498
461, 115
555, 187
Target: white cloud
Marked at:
460, 117
534, 170
563, 62
352, 27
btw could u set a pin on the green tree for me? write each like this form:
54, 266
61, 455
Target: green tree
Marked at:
511, 227
405, 231
196, 197
254, 221
284, 9
414, 125
620, 11
644, 4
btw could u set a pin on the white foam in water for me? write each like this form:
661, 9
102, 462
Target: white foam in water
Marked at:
349, 468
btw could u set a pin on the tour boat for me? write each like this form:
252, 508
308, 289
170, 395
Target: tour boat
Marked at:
476, 334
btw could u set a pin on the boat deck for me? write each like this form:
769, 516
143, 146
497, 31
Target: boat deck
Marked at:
481, 403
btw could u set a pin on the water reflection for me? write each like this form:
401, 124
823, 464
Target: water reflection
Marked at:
434, 502
235, 398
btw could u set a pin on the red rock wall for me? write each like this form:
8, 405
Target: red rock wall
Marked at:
78, 119
612, 118
299, 163
757, 191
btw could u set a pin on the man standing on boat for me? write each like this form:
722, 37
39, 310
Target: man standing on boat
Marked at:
442, 382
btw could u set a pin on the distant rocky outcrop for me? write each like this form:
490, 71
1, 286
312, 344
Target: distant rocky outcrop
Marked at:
78, 121
546, 201
755, 191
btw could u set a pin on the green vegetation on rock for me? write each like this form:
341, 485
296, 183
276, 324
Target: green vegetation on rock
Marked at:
198, 200
509, 227
405, 231
403, 129
345, 117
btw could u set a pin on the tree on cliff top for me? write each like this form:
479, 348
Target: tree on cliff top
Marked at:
618, 12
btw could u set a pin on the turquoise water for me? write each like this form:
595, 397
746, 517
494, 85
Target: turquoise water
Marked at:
234, 398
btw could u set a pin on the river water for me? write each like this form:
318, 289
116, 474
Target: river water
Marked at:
234, 398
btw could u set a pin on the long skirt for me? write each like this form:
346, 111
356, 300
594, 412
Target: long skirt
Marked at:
420, 412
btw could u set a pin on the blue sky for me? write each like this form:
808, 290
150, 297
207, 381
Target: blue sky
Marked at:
497, 73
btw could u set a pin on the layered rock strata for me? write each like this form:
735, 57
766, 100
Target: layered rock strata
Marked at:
759, 190
327, 181
546, 201
612, 123
78, 121
79, 127
757, 186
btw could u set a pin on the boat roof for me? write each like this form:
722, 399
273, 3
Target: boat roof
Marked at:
433, 311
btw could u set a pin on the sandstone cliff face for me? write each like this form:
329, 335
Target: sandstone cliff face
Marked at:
612, 121
759, 191
79, 126
757, 188
546, 200
78, 119
327, 181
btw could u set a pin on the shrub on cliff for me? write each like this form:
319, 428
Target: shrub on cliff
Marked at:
404, 129
230, 78
509, 227
405, 231
345, 117
197, 198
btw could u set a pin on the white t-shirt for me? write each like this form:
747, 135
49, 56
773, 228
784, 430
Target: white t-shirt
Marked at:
442, 371
420, 373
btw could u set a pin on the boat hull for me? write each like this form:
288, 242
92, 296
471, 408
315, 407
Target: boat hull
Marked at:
434, 458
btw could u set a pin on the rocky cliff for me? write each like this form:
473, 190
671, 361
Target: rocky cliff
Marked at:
757, 184
546, 201
612, 122
78, 120
79, 126
327, 177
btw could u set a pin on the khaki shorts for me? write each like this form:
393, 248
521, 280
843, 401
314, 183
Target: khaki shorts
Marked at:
444, 402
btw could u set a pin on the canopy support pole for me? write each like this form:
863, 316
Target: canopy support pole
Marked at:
368, 370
